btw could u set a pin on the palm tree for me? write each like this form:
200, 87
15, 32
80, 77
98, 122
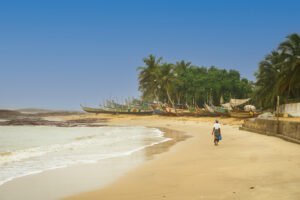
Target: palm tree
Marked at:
167, 80
182, 66
180, 69
149, 77
289, 79
267, 77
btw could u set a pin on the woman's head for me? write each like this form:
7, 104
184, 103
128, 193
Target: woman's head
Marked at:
217, 121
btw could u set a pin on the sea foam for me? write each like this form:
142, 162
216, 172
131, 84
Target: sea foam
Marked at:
29, 150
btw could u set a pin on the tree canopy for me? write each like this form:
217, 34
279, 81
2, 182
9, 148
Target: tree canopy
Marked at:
279, 74
182, 82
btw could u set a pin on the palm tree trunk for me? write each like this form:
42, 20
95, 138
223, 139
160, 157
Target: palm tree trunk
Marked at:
169, 98
178, 98
155, 95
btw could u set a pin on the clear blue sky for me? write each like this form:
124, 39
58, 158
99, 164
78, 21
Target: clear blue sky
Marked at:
58, 54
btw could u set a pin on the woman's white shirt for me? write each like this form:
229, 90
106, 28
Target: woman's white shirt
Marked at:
217, 126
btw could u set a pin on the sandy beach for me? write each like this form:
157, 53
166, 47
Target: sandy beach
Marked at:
244, 166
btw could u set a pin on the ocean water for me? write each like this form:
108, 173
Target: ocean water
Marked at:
26, 150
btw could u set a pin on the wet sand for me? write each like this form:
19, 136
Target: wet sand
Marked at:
244, 166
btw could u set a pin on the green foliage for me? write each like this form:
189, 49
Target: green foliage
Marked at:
149, 77
279, 73
183, 83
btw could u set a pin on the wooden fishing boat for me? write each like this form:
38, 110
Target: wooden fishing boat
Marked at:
93, 110
184, 112
138, 112
169, 111
201, 112
114, 111
210, 110
220, 111
243, 114
193, 111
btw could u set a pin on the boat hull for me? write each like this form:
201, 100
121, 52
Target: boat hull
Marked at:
104, 111
242, 114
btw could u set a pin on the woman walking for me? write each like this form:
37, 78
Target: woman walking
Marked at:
217, 132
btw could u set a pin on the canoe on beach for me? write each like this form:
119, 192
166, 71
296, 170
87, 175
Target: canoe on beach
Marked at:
112, 111
220, 111
243, 114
